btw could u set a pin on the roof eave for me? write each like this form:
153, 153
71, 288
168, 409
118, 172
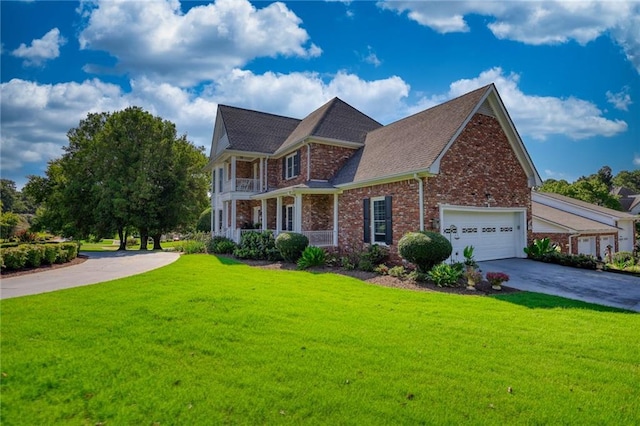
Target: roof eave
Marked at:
386, 179
314, 139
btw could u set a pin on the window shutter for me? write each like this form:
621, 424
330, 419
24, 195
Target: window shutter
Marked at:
296, 163
388, 238
284, 168
366, 225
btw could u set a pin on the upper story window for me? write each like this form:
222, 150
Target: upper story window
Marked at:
291, 165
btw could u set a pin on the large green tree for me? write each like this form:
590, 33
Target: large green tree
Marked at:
121, 171
628, 179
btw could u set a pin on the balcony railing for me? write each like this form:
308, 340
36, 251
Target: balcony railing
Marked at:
243, 185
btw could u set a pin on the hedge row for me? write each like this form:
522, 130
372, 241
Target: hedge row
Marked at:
34, 255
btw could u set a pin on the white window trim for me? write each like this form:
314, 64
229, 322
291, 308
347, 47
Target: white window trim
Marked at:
372, 220
292, 217
293, 166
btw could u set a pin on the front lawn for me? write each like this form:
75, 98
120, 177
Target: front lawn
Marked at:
205, 341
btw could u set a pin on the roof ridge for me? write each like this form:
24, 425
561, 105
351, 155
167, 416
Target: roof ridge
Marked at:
257, 111
331, 104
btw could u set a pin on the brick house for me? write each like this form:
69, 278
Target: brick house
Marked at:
346, 181
579, 227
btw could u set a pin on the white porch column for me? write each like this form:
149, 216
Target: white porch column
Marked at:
233, 174
263, 207
278, 215
213, 202
234, 219
297, 211
335, 220
261, 171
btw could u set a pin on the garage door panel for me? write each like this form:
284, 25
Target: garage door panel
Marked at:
494, 235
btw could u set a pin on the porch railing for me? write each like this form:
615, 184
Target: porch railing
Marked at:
243, 185
316, 238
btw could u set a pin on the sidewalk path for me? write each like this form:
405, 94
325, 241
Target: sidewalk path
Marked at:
100, 267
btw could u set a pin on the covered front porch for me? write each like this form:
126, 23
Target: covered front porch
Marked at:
310, 212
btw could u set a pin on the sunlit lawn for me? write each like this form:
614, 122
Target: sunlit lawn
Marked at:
108, 245
205, 342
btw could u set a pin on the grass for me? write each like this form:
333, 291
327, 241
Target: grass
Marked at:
210, 341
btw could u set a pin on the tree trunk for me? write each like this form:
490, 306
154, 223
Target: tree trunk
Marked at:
123, 239
144, 237
156, 242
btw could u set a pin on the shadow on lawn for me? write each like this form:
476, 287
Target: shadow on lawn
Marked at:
545, 301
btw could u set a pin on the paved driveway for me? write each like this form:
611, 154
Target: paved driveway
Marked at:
603, 288
100, 267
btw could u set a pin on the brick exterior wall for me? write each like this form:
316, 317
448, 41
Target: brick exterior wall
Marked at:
274, 168
480, 161
317, 212
244, 170
326, 160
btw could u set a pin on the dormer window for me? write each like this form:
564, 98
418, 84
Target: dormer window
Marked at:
291, 165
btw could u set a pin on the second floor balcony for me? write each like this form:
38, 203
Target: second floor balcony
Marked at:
242, 185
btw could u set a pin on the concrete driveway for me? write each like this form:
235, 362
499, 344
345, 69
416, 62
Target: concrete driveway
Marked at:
602, 288
100, 267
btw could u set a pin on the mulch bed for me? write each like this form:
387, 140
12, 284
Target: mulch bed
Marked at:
24, 271
483, 288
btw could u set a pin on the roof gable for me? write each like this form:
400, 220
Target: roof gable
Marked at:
417, 143
335, 120
569, 221
254, 131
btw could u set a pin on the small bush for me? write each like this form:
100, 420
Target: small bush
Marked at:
381, 269
424, 249
132, 242
257, 246
26, 236
50, 254
398, 272
445, 275
35, 253
221, 245
14, 257
291, 245
312, 256
71, 250
623, 259
376, 254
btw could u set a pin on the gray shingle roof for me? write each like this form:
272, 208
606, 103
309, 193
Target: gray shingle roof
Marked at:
584, 204
569, 220
255, 131
334, 120
412, 143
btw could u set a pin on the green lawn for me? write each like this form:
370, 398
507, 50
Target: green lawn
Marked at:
208, 342
108, 245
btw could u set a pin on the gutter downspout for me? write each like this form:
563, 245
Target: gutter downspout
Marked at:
421, 199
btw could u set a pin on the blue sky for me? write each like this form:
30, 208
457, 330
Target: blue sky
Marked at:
568, 72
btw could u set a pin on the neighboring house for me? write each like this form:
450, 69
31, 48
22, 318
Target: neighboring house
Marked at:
629, 200
580, 227
346, 181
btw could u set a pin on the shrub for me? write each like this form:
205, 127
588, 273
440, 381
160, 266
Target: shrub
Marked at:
50, 254
131, 241
540, 247
381, 269
35, 253
445, 275
425, 249
8, 223
623, 259
221, 245
312, 256
67, 252
14, 257
291, 245
257, 246
398, 272
26, 236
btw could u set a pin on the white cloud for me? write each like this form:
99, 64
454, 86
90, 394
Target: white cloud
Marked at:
35, 117
620, 100
535, 22
550, 174
372, 58
157, 39
636, 160
539, 116
41, 50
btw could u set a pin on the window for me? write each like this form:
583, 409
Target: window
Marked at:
378, 220
291, 166
220, 179
287, 217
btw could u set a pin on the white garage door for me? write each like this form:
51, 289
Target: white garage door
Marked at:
494, 235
